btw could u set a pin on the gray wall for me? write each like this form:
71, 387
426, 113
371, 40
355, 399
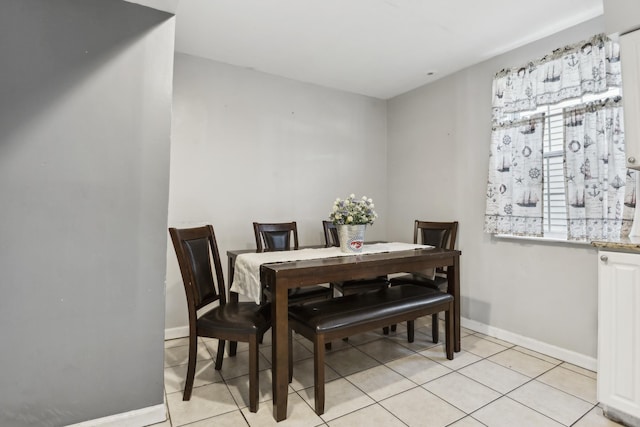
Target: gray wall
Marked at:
249, 146
621, 16
85, 103
230, 123
543, 295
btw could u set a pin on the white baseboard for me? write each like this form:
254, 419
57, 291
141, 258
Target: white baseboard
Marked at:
137, 418
179, 332
563, 354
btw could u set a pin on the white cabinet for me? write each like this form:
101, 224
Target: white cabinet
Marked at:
630, 55
619, 335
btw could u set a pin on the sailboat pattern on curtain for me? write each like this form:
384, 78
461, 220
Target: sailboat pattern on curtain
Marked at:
601, 191
591, 66
514, 188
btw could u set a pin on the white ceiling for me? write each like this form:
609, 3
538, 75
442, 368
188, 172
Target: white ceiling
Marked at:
379, 48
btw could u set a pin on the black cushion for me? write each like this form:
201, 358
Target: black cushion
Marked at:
362, 308
241, 318
277, 240
362, 285
417, 279
309, 292
302, 295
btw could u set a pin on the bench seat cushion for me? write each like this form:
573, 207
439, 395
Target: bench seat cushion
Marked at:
359, 309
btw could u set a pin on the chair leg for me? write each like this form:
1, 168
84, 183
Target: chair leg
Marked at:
191, 367
434, 328
385, 330
410, 330
393, 327
448, 325
318, 371
233, 348
220, 355
254, 385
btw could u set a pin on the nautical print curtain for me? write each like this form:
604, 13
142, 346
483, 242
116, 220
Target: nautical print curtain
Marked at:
514, 192
591, 66
601, 191
514, 202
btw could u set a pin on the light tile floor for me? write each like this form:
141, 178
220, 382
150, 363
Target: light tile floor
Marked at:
375, 379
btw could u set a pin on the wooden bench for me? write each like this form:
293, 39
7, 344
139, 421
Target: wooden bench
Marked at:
341, 317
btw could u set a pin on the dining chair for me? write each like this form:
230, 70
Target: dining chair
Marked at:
227, 321
278, 237
440, 235
349, 287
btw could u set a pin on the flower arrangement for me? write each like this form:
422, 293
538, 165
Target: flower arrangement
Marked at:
352, 211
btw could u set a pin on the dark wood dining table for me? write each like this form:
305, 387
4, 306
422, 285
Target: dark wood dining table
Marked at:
282, 276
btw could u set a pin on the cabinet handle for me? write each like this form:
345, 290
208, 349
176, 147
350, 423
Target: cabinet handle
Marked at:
631, 160
604, 258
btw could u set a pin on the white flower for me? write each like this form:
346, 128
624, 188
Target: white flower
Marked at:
353, 211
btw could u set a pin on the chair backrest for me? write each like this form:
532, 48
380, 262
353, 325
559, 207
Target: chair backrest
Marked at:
275, 236
330, 234
195, 249
438, 234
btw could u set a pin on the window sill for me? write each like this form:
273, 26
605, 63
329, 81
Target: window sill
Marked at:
556, 240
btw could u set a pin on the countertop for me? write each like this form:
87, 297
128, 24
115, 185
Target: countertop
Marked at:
627, 244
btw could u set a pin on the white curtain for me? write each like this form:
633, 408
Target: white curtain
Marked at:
515, 180
601, 191
514, 191
590, 66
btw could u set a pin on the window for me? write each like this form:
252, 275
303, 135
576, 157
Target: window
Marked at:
538, 183
554, 197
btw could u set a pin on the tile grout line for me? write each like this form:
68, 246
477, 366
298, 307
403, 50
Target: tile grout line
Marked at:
527, 406
585, 414
558, 365
416, 385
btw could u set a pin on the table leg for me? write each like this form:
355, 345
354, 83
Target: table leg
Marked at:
280, 351
453, 287
233, 297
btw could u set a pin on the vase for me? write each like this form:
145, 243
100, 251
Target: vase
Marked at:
351, 237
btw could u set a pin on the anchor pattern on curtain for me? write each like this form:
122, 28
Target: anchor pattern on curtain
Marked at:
590, 66
514, 188
601, 191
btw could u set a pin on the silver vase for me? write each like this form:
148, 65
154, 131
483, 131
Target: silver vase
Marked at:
351, 237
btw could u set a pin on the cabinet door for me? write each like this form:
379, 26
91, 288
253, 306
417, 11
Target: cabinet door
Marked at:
630, 56
619, 331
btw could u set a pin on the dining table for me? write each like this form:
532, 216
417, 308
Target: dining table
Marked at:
279, 276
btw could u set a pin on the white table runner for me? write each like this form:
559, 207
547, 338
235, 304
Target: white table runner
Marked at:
246, 278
